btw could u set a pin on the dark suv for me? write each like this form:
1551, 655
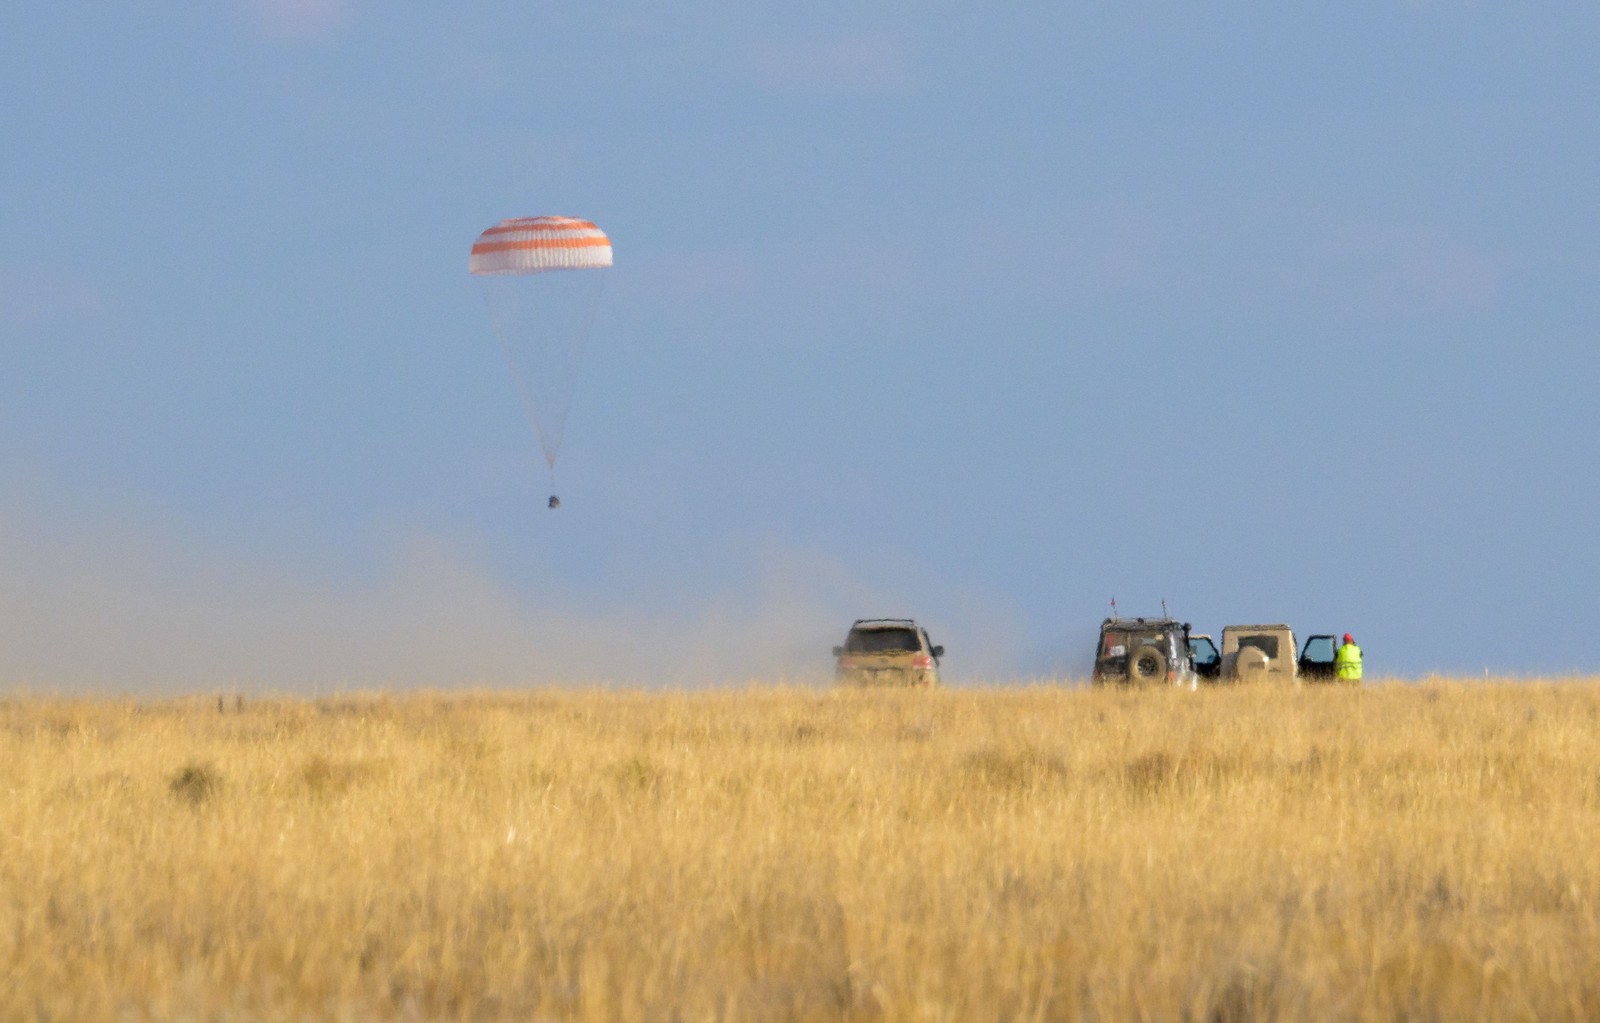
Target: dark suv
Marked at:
1144, 651
887, 652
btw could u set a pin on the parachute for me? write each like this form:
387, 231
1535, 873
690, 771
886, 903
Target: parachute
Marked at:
541, 310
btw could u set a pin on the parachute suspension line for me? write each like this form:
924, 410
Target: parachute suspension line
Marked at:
529, 407
567, 364
542, 327
545, 382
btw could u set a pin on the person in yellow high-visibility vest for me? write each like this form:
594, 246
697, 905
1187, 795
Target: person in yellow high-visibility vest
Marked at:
1347, 660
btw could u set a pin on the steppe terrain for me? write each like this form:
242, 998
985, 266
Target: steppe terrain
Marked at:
1415, 851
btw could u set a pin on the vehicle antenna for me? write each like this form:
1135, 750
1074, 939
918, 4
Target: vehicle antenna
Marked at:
1164, 612
1113, 607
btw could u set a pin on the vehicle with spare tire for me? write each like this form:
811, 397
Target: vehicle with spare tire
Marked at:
1267, 652
887, 652
1258, 653
1144, 651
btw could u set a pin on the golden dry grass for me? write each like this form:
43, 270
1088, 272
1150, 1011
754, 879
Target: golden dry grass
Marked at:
1403, 852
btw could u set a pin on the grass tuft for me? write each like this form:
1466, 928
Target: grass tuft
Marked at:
195, 783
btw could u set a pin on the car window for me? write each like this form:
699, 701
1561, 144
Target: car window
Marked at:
882, 641
1205, 651
1118, 643
1266, 644
1319, 650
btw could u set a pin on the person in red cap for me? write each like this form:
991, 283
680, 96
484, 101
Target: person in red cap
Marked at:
1347, 661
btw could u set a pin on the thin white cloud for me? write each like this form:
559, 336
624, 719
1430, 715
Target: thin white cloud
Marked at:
872, 62
1442, 271
1401, 270
298, 19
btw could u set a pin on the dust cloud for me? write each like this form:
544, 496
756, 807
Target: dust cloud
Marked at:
136, 607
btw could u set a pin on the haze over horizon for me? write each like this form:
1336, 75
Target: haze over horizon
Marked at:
983, 318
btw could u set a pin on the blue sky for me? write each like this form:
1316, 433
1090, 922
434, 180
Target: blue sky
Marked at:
978, 313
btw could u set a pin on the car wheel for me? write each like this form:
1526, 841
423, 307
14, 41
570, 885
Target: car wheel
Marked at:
1147, 665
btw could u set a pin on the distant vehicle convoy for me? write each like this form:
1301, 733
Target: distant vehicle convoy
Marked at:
1130, 651
1144, 651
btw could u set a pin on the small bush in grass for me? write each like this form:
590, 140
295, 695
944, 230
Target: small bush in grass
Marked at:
1151, 773
1014, 769
195, 783
325, 777
637, 774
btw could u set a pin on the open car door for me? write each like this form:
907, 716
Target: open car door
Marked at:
1203, 653
1316, 659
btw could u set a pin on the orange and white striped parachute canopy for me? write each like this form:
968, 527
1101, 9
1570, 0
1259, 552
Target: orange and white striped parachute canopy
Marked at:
530, 245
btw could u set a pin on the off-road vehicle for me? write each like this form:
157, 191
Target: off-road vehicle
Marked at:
1258, 653
1144, 651
887, 652
1264, 652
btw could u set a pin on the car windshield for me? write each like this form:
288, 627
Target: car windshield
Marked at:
882, 641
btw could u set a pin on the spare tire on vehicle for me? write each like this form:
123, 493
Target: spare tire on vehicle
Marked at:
1250, 662
1147, 664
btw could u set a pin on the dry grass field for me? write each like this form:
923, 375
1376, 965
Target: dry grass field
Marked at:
1402, 852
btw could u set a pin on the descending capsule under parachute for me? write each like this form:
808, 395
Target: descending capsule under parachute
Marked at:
541, 291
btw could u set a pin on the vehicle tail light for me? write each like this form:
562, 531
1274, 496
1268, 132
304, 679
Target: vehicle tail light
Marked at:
1171, 675
922, 661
